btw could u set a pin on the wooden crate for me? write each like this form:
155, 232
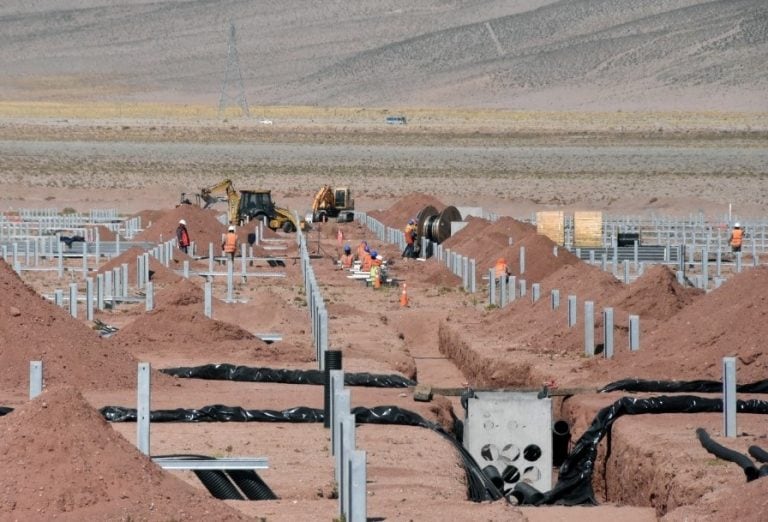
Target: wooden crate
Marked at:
551, 224
587, 229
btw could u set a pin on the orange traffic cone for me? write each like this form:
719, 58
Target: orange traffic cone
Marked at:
404, 296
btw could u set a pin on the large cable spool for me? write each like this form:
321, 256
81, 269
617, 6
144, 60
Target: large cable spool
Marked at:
434, 225
441, 227
423, 220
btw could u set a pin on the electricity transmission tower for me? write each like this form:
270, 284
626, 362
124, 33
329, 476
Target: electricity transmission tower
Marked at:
232, 90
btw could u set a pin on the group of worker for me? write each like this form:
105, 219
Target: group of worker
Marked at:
228, 245
370, 262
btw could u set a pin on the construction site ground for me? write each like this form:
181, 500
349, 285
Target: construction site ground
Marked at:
446, 338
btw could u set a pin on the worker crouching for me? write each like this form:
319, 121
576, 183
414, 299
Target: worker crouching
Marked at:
347, 259
502, 270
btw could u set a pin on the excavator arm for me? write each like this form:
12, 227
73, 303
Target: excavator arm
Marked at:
223, 191
323, 199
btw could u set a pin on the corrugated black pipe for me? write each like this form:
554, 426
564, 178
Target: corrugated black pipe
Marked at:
493, 474
218, 484
561, 439
728, 454
759, 453
527, 495
251, 484
332, 362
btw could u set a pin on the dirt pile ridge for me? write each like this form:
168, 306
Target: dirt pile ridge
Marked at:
656, 295
202, 224
406, 208
34, 329
540, 260
158, 273
729, 321
61, 458
105, 234
178, 323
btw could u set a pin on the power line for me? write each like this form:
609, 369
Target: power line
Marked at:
233, 78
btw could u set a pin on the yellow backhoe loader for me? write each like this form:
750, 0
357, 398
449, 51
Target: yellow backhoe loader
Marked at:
247, 205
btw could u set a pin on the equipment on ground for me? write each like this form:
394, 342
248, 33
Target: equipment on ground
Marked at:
333, 203
248, 205
434, 226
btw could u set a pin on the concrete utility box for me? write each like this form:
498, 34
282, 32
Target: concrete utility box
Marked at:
512, 433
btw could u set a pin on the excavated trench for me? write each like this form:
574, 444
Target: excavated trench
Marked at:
662, 470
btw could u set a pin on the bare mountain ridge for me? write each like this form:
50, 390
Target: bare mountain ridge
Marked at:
570, 54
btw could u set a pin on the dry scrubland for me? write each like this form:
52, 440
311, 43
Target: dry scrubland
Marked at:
512, 162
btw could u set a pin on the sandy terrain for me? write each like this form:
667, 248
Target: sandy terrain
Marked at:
632, 108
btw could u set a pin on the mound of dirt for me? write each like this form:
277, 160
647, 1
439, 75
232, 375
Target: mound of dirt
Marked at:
406, 208
202, 224
61, 458
729, 321
158, 273
483, 239
656, 295
540, 260
105, 234
178, 324
34, 329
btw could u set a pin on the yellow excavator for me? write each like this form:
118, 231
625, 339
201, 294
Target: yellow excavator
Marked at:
248, 205
333, 203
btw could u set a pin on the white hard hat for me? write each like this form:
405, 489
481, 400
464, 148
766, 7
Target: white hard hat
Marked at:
182, 222
737, 225
231, 228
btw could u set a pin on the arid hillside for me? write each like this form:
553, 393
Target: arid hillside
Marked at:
527, 54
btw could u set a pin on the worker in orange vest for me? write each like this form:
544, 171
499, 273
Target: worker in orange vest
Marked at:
410, 238
502, 270
366, 261
376, 261
347, 259
361, 249
737, 238
229, 245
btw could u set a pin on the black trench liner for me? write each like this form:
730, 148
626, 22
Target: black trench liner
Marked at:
231, 372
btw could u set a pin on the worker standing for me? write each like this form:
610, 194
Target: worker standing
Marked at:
229, 245
410, 238
347, 259
502, 270
737, 238
182, 235
376, 261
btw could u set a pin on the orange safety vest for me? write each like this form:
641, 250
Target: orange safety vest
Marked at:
230, 243
375, 273
736, 237
409, 235
346, 261
366, 262
501, 270
360, 251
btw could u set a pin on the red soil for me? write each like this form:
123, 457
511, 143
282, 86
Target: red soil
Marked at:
406, 208
34, 329
62, 460
202, 225
158, 273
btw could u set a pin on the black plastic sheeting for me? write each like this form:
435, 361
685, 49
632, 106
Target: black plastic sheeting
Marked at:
574, 485
640, 385
231, 372
480, 488
5, 410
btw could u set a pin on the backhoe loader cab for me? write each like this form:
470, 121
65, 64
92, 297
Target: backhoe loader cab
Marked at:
258, 205
333, 203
